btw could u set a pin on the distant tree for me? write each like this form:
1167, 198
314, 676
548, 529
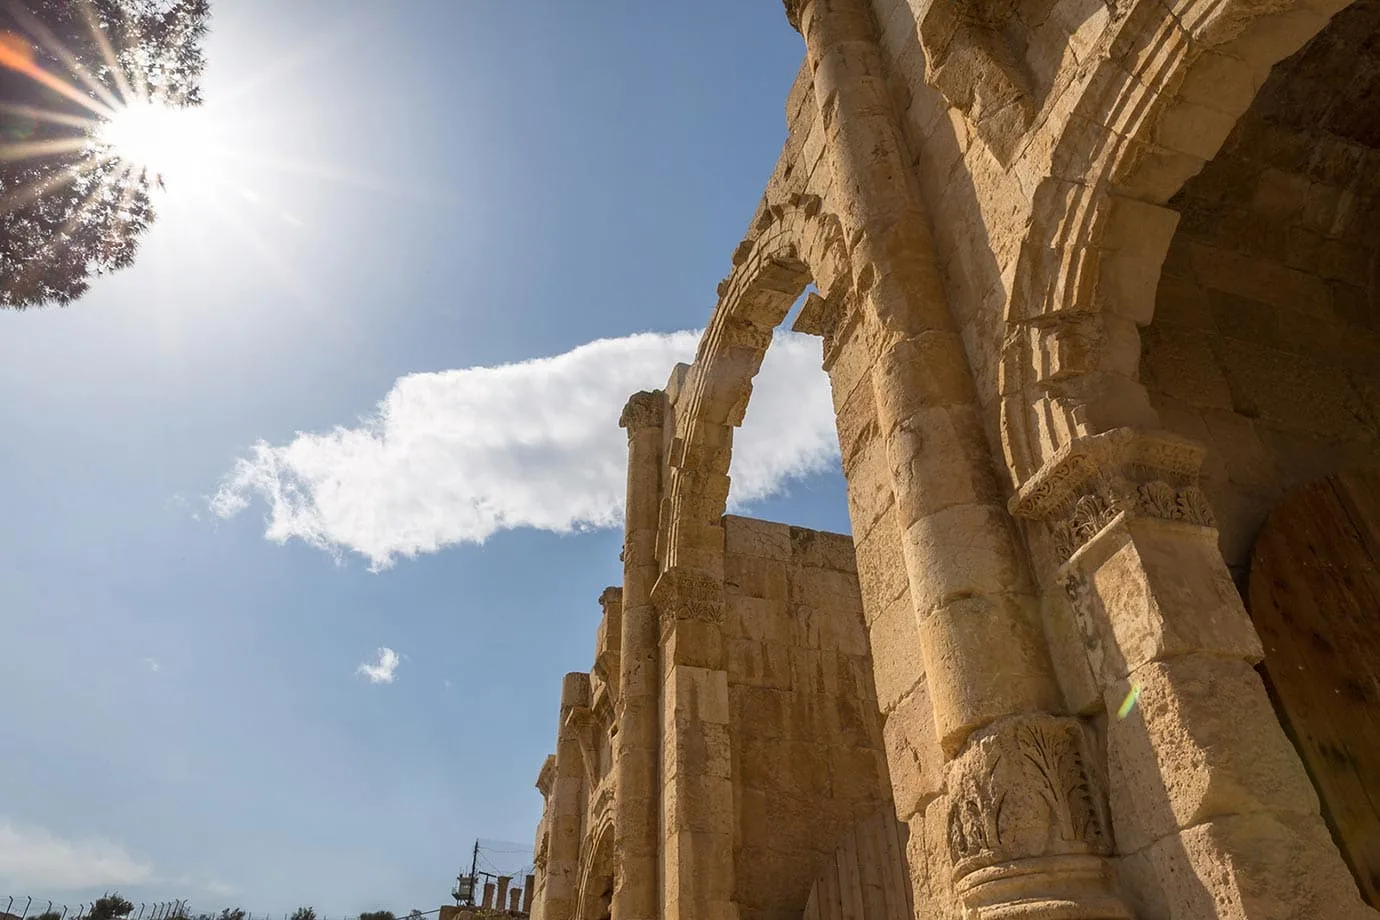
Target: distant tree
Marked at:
110, 907
68, 208
378, 915
47, 915
304, 913
232, 913
414, 914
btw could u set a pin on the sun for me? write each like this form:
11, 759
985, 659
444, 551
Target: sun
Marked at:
176, 145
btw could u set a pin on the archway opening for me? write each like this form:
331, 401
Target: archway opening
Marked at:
1265, 343
786, 464
1265, 346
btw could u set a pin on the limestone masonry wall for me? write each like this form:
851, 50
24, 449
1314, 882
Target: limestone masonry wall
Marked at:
808, 762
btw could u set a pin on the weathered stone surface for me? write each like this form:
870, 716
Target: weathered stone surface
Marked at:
1061, 251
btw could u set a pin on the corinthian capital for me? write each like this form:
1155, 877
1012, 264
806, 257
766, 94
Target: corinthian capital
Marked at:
646, 409
793, 9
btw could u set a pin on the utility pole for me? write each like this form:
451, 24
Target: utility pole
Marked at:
464, 887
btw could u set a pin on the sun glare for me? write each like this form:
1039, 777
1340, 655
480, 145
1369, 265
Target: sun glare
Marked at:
176, 145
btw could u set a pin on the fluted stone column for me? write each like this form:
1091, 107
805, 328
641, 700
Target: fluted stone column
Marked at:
1016, 842
637, 745
565, 812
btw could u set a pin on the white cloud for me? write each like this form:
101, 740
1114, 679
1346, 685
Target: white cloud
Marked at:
152, 665
32, 858
455, 456
383, 670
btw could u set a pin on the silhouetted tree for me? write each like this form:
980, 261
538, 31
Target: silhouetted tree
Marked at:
68, 209
110, 907
304, 913
232, 913
48, 915
378, 915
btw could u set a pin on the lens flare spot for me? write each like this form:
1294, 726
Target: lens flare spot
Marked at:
1129, 703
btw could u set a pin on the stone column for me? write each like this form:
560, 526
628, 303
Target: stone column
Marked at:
514, 897
1018, 840
501, 895
637, 744
565, 813
488, 895
1212, 808
697, 777
528, 885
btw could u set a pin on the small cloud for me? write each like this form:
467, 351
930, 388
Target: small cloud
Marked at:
445, 682
35, 858
383, 670
153, 665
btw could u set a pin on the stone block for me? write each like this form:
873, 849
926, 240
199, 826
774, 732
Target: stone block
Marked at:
1158, 589
1184, 303
881, 565
824, 589
939, 458
758, 618
869, 486
1258, 866
751, 537
985, 657
700, 694
1180, 364
961, 551
693, 643
1201, 742
857, 424
755, 576
897, 659
914, 759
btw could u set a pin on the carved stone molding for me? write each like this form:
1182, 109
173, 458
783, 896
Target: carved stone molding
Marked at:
646, 409
1027, 823
1092, 480
684, 594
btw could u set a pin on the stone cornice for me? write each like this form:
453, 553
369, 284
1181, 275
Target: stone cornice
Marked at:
793, 10
1122, 454
1092, 481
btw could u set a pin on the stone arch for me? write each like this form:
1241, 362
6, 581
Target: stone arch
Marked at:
595, 890
1151, 116
791, 244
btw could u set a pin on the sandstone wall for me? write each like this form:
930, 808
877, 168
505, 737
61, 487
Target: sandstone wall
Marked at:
1266, 340
807, 757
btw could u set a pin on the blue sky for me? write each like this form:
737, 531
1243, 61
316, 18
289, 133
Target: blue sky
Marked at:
398, 321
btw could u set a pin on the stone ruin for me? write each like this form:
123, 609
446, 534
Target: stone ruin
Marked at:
1096, 283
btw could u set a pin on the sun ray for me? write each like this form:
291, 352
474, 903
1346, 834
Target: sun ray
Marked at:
55, 118
27, 194
16, 60
59, 238
329, 174
107, 52
50, 41
27, 150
